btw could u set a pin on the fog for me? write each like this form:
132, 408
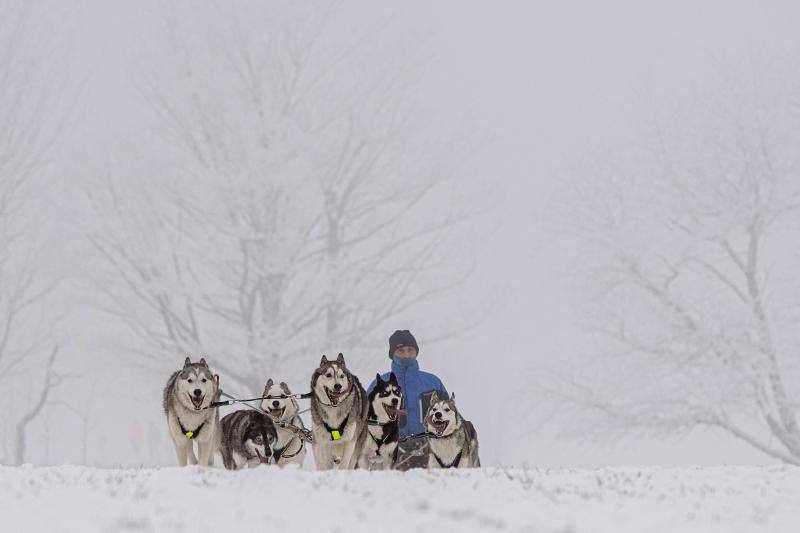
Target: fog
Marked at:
262, 184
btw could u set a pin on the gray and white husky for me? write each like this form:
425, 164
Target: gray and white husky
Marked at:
379, 451
453, 440
247, 439
339, 411
188, 393
288, 448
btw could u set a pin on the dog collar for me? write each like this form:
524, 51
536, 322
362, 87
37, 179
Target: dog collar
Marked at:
381, 442
372, 422
451, 465
190, 434
278, 453
336, 433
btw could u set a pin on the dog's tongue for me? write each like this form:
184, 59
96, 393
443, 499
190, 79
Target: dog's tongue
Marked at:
439, 426
197, 401
394, 412
334, 396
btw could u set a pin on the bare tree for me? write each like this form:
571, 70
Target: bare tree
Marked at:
307, 205
688, 270
31, 118
84, 415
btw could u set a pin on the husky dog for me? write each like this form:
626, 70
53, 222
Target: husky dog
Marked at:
379, 451
288, 447
188, 393
453, 441
339, 412
247, 439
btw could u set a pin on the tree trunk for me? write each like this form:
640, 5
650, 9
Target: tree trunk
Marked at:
20, 443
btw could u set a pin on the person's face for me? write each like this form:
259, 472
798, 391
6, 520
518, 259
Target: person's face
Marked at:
406, 352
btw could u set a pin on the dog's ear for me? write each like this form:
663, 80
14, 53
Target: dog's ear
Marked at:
269, 383
452, 396
203, 362
283, 385
324, 360
392, 378
378, 378
187, 362
434, 398
340, 359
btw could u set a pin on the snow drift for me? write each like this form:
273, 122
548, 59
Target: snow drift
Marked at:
618, 500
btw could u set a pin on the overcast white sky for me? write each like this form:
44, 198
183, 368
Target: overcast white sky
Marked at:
547, 81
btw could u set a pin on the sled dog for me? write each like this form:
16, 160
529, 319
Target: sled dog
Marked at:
187, 393
247, 439
339, 413
379, 451
453, 440
288, 447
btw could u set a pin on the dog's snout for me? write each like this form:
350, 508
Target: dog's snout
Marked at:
437, 416
395, 401
198, 392
276, 403
337, 387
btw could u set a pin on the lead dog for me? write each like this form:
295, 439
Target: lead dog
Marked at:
339, 412
379, 451
277, 401
453, 440
187, 394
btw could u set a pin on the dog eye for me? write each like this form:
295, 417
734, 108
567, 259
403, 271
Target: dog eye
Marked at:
191, 380
446, 410
328, 375
204, 380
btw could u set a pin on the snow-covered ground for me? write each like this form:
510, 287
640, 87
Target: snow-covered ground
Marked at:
197, 500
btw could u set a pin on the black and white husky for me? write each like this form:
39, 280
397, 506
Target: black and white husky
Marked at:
339, 412
187, 395
379, 451
277, 401
453, 440
247, 439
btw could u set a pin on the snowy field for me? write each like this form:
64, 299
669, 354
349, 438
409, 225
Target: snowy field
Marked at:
196, 500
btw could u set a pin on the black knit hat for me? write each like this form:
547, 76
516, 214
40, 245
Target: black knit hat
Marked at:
401, 338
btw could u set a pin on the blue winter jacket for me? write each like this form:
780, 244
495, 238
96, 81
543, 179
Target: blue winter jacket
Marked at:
413, 382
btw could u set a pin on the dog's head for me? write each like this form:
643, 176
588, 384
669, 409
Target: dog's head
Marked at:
442, 418
332, 382
195, 386
275, 401
385, 399
259, 438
